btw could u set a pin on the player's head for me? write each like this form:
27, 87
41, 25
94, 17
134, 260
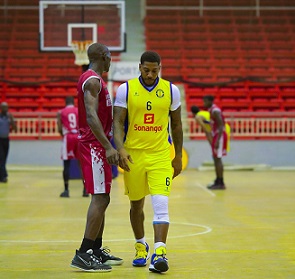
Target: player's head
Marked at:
208, 101
4, 107
150, 66
69, 100
99, 54
195, 109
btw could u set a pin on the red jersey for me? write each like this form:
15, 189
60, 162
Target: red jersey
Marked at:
69, 120
213, 123
104, 108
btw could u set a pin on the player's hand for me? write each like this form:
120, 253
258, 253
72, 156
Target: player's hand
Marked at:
112, 156
124, 159
177, 166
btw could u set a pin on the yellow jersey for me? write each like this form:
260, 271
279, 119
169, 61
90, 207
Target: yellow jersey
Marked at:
206, 116
148, 115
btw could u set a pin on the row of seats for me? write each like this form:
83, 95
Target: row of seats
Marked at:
23, 62
223, 34
223, 47
46, 77
239, 97
220, 46
245, 98
209, 3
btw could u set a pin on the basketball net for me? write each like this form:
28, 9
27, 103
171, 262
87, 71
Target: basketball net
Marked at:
80, 50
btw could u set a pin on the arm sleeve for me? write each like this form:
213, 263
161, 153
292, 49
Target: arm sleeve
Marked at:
120, 100
175, 98
83, 85
216, 109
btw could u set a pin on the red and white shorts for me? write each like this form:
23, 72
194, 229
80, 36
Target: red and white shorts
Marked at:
97, 173
221, 151
69, 149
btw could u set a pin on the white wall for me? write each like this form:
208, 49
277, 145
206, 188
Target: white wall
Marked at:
274, 153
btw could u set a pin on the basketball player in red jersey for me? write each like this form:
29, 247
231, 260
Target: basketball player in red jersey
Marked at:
67, 123
96, 156
219, 140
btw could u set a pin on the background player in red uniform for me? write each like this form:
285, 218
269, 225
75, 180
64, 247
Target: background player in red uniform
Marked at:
96, 155
67, 123
219, 140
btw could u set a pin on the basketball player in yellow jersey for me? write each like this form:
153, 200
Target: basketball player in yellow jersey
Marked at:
142, 110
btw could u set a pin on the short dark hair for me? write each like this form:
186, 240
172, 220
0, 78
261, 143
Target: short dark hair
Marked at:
150, 56
195, 109
209, 98
69, 100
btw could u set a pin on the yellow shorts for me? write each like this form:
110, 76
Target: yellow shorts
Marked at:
150, 173
227, 130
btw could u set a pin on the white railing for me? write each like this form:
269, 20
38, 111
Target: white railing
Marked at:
250, 128
35, 128
245, 125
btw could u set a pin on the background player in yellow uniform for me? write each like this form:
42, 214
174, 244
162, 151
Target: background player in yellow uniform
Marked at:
142, 110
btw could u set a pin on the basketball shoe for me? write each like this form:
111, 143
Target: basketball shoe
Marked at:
142, 254
211, 183
106, 257
159, 262
65, 194
216, 187
89, 262
85, 194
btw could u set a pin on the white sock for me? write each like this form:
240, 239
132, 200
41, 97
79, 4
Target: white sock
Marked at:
141, 240
159, 244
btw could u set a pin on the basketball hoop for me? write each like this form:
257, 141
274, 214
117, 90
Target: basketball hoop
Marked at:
80, 50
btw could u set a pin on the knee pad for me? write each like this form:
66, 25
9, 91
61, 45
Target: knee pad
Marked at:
160, 206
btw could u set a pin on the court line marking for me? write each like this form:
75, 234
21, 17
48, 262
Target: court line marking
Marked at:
205, 189
207, 229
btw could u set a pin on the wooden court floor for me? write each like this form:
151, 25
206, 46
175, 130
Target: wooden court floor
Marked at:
247, 231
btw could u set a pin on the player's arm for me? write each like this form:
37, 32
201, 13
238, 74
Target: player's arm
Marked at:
12, 122
220, 124
201, 121
177, 136
91, 93
120, 116
59, 125
176, 130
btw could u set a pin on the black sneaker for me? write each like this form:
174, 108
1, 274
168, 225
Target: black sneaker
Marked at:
4, 180
85, 194
65, 194
89, 262
106, 257
217, 187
